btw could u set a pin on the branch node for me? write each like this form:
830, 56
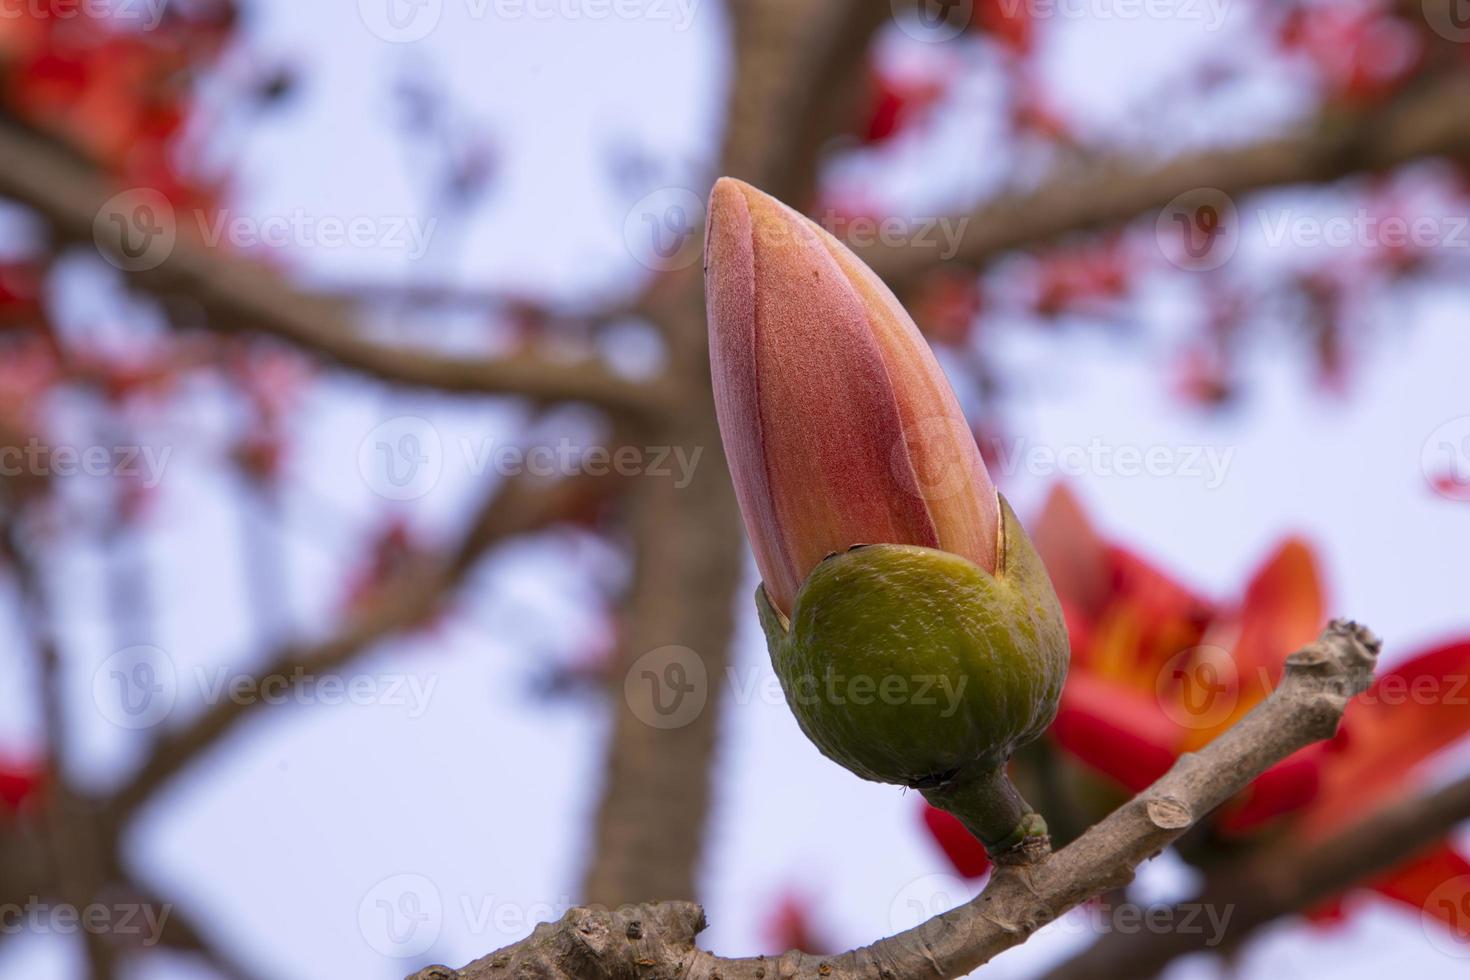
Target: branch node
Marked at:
1168, 813
1031, 850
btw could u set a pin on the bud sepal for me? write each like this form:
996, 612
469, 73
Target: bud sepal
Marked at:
915, 666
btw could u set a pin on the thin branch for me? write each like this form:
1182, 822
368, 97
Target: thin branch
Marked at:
408, 601
1285, 879
37, 616
238, 294
490, 300
180, 933
77, 849
1428, 122
657, 939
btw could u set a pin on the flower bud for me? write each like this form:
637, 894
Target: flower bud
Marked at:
915, 632
838, 422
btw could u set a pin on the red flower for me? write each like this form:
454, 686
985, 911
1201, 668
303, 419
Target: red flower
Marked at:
964, 851
1360, 55
791, 926
895, 103
1009, 22
1082, 278
20, 783
947, 308
1158, 671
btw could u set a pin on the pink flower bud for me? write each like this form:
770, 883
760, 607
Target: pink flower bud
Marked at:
839, 424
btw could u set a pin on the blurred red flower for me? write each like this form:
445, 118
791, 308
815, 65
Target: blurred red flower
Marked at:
20, 782
790, 926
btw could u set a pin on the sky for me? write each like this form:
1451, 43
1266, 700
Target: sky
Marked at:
458, 802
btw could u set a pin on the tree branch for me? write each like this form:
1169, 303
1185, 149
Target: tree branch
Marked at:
77, 851
649, 830
657, 939
181, 933
1284, 879
409, 600
780, 55
238, 294
1427, 122
826, 100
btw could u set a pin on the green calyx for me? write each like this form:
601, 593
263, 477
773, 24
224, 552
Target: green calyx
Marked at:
914, 666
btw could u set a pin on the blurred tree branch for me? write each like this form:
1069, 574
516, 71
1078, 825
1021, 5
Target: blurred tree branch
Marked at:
648, 834
182, 934
637, 941
1427, 121
410, 599
70, 844
238, 294
1281, 881
813, 58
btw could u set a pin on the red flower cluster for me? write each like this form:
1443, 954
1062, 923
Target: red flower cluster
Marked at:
1360, 53
1158, 670
118, 95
